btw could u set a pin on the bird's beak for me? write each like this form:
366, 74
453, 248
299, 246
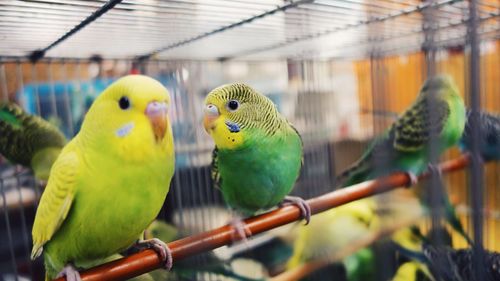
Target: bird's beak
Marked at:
211, 114
157, 115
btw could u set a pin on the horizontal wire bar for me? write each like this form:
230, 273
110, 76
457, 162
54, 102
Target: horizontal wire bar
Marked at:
291, 4
343, 28
37, 54
148, 260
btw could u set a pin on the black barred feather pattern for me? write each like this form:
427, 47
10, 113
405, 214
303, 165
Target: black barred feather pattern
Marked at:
489, 136
413, 130
447, 264
261, 111
20, 140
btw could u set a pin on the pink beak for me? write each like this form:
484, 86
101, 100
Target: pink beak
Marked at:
157, 114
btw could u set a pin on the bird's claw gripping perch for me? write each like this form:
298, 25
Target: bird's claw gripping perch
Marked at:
241, 229
161, 249
413, 179
304, 207
70, 272
434, 170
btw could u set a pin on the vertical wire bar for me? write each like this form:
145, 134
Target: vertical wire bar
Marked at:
9, 230
177, 180
66, 99
476, 168
52, 92
78, 79
34, 82
194, 172
24, 227
19, 71
34, 78
434, 187
3, 83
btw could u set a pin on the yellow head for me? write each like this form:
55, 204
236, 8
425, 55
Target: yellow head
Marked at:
131, 115
233, 110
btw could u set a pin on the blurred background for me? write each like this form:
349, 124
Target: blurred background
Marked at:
340, 71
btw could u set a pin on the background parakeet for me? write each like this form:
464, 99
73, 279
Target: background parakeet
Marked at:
413, 271
191, 267
444, 263
404, 147
109, 182
334, 230
342, 234
489, 136
258, 154
29, 140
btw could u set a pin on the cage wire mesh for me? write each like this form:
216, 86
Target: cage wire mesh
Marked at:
340, 71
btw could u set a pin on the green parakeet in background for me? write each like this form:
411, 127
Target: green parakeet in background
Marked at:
29, 140
404, 147
258, 154
109, 182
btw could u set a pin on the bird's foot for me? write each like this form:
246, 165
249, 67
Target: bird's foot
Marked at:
305, 209
413, 179
70, 272
241, 229
434, 170
161, 249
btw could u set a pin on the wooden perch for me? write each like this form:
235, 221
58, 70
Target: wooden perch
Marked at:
148, 260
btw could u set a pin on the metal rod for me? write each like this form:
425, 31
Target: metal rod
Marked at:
476, 185
311, 36
38, 54
230, 26
148, 260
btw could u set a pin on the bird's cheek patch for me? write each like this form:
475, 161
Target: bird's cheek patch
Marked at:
232, 127
124, 130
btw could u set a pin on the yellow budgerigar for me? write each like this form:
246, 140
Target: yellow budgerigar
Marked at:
109, 183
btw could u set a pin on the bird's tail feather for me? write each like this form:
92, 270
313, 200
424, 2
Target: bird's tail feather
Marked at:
454, 221
356, 173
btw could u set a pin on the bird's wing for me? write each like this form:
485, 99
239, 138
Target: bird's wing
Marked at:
301, 144
216, 179
55, 202
414, 129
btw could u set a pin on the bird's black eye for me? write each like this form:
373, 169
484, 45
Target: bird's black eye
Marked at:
124, 103
232, 105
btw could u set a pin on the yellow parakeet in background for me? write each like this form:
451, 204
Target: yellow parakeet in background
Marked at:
109, 182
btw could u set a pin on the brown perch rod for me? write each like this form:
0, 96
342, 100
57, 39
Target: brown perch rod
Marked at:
148, 260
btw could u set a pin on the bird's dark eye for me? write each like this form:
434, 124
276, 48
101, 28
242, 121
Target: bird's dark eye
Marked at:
124, 103
232, 105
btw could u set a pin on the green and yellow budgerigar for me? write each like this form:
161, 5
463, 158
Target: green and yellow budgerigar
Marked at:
109, 182
404, 147
29, 140
258, 154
